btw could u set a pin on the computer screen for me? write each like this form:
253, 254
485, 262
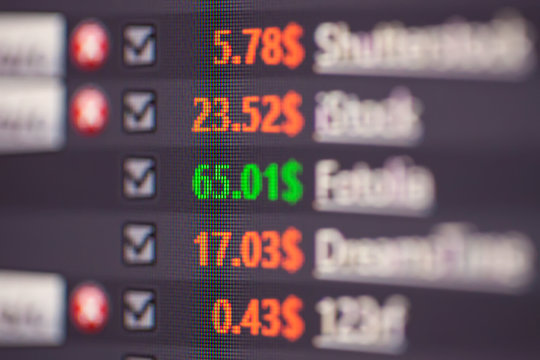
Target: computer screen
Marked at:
269, 179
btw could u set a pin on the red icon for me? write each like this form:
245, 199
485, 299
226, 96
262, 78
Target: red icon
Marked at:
89, 308
89, 111
89, 45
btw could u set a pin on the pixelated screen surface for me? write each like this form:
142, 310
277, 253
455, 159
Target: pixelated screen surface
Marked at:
269, 180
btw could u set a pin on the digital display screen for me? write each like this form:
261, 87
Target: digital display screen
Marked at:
270, 179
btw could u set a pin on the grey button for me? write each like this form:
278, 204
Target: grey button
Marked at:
32, 309
32, 44
32, 115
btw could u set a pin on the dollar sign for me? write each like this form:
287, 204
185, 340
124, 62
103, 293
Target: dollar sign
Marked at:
295, 121
289, 174
294, 325
294, 256
294, 51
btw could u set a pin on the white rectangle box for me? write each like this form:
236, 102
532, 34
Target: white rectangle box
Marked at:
32, 44
32, 309
32, 115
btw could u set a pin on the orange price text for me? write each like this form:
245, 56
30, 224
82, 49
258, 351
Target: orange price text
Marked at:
262, 317
269, 114
266, 250
273, 45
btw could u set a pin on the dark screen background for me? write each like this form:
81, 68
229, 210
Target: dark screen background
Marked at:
63, 212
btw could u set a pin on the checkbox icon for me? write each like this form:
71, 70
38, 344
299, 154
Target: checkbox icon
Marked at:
139, 244
139, 310
139, 111
139, 178
139, 357
139, 48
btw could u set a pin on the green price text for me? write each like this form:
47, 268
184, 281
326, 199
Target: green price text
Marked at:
273, 183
